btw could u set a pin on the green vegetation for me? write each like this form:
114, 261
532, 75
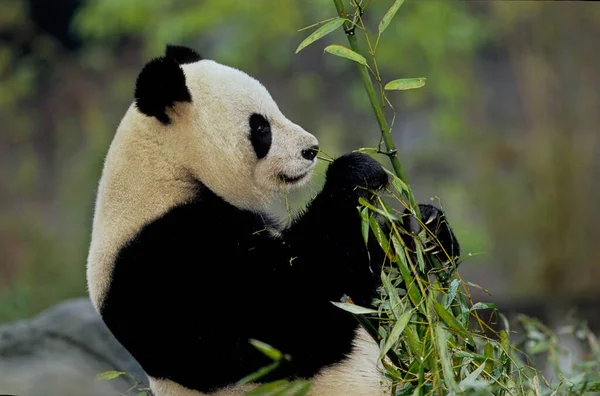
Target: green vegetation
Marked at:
426, 322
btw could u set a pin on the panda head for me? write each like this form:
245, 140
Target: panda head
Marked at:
220, 126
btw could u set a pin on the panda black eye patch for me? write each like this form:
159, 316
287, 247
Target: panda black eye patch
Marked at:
260, 135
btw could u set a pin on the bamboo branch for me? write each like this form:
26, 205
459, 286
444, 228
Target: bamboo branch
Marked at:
392, 152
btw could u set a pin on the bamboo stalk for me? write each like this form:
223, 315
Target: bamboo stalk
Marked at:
392, 152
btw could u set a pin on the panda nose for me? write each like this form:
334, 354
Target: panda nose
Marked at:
310, 153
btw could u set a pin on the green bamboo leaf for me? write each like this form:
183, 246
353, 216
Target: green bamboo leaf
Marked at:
340, 50
108, 375
397, 330
473, 380
355, 309
481, 305
412, 290
486, 291
320, 32
367, 204
392, 295
301, 390
452, 290
266, 349
364, 217
420, 258
380, 236
387, 18
452, 322
488, 350
258, 374
441, 342
403, 84
268, 388
397, 182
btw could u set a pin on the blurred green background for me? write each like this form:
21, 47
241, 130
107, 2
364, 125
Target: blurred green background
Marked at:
505, 135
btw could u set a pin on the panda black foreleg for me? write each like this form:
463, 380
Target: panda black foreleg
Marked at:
329, 230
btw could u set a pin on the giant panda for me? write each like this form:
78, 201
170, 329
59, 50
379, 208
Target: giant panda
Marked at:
186, 262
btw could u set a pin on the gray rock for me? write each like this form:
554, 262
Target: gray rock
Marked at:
60, 352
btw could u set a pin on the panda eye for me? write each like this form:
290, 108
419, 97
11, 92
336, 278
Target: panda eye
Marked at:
260, 135
263, 129
259, 124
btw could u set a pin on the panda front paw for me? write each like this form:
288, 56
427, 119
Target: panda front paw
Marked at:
355, 175
444, 246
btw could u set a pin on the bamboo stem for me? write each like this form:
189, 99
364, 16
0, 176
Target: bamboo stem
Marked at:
383, 126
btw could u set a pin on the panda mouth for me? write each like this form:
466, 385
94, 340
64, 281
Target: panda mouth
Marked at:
291, 179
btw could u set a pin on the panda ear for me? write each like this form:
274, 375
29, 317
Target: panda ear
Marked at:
160, 84
182, 54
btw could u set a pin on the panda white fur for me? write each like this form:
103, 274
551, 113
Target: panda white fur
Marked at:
186, 264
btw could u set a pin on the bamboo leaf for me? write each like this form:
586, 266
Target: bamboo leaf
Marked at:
411, 288
452, 290
452, 322
472, 381
387, 18
398, 184
441, 342
266, 349
420, 258
380, 236
320, 32
397, 330
366, 203
258, 374
481, 305
108, 375
364, 216
488, 350
403, 84
355, 309
392, 295
340, 50
268, 388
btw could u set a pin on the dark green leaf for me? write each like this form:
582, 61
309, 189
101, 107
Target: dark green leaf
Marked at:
380, 236
441, 342
387, 18
403, 84
392, 294
420, 258
320, 32
401, 260
364, 216
452, 322
340, 50
397, 330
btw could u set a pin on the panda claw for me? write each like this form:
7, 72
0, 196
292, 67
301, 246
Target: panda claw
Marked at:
431, 218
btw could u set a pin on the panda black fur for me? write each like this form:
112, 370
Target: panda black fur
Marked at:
186, 264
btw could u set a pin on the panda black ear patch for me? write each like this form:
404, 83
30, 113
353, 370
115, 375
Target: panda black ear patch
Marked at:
181, 54
160, 84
